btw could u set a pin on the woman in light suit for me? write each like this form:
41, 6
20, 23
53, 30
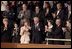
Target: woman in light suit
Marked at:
24, 32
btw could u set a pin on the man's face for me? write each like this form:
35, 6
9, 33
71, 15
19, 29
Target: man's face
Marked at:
58, 22
37, 9
5, 22
36, 20
68, 24
59, 6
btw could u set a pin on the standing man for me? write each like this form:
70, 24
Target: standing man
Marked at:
37, 32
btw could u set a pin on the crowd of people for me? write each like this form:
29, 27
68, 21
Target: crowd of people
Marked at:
33, 21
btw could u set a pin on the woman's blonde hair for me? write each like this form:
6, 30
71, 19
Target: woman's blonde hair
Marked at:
25, 20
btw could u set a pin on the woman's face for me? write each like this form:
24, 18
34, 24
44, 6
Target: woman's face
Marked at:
25, 23
46, 5
15, 25
49, 23
24, 7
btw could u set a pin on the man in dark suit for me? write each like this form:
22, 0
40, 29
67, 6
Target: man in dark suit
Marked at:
61, 12
37, 32
58, 32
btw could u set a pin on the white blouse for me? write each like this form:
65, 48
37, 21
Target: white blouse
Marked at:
24, 35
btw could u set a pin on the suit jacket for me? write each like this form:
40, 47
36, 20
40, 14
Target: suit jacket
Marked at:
48, 16
5, 34
37, 34
58, 34
15, 36
62, 14
40, 15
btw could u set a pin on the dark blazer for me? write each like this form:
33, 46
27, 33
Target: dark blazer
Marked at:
48, 16
37, 35
58, 34
15, 36
5, 35
50, 35
40, 15
62, 14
